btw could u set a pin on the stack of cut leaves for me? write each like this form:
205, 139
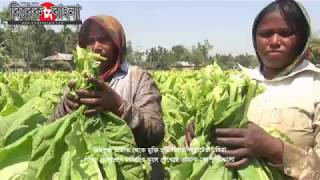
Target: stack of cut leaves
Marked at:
212, 98
67, 148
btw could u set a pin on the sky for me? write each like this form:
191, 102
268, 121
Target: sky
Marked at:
225, 23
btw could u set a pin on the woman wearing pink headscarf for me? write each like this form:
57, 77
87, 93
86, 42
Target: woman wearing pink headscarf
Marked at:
125, 90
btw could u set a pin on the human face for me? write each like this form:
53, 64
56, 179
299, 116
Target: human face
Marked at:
276, 43
99, 42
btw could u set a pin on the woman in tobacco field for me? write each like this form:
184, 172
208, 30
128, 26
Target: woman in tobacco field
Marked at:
290, 103
127, 91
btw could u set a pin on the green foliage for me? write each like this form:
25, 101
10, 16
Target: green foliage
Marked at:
30, 148
212, 98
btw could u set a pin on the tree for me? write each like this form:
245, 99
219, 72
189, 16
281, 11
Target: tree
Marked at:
4, 58
314, 47
4, 16
246, 60
196, 56
32, 43
70, 40
226, 61
158, 58
132, 56
180, 53
200, 53
204, 49
130, 53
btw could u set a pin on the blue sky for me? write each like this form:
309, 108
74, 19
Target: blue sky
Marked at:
226, 24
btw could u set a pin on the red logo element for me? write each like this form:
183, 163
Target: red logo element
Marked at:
47, 14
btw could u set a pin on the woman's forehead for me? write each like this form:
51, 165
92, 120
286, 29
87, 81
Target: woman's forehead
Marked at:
273, 19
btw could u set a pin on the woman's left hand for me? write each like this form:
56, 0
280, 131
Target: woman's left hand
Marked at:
102, 99
246, 143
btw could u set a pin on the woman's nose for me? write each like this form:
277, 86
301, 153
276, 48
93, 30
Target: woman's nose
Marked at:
97, 48
275, 41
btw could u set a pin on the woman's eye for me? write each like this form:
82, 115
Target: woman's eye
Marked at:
265, 34
282, 33
103, 40
286, 33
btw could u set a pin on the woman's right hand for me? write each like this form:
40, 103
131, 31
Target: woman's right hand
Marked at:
68, 103
190, 134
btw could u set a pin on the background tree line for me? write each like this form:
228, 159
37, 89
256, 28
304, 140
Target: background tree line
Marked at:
30, 44
162, 58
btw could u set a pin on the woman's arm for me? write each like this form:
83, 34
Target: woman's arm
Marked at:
304, 163
144, 116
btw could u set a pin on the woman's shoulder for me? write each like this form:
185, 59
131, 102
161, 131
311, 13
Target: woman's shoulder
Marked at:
137, 71
140, 77
306, 68
139, 74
